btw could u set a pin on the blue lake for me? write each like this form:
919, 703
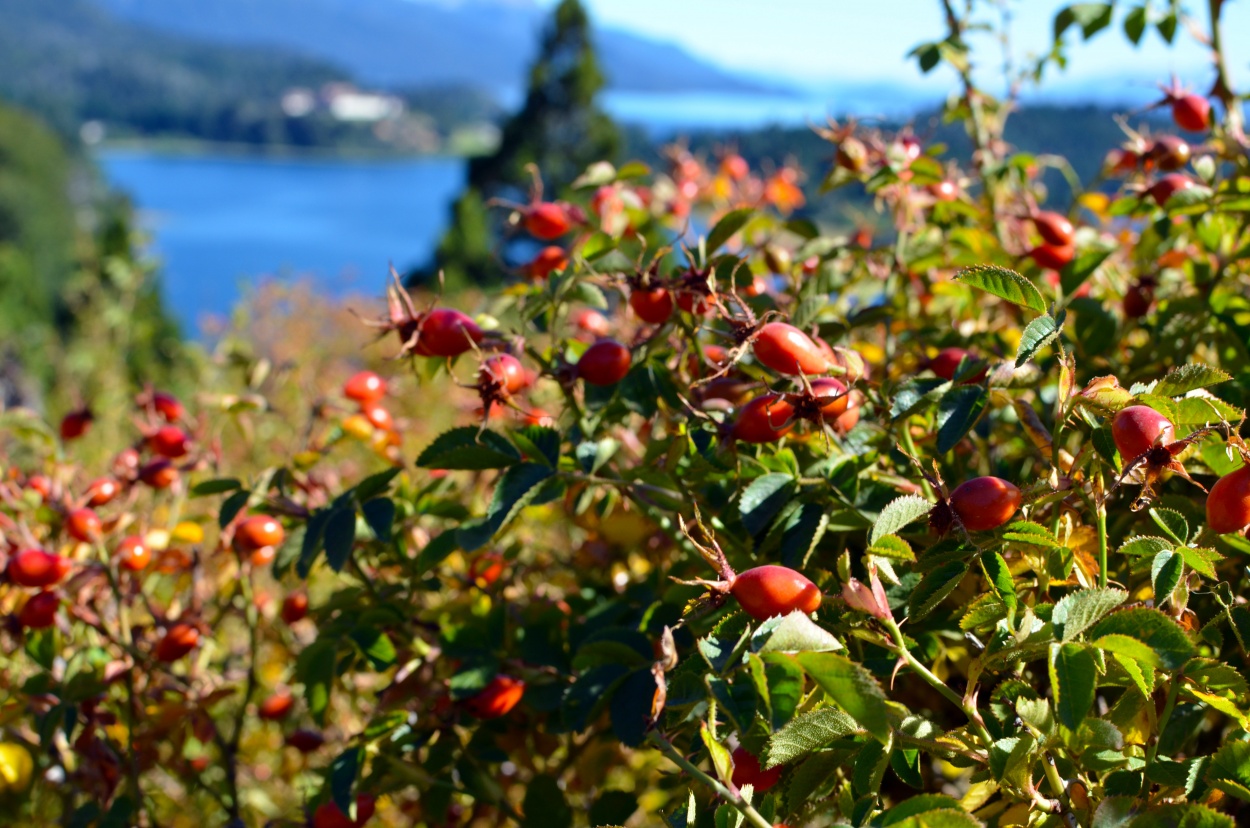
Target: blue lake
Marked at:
217, 222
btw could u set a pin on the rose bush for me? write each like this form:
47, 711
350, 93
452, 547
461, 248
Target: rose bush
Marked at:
758, 525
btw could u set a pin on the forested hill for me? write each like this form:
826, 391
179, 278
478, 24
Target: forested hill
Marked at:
487, 44
72, 61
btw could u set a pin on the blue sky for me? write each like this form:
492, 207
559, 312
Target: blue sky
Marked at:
821, 42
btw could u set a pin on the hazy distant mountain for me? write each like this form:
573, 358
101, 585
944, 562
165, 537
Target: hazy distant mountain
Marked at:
487, 43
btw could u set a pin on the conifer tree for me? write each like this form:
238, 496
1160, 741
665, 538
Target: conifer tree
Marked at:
559, 128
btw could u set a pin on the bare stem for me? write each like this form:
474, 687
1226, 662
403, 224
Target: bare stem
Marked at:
733, 798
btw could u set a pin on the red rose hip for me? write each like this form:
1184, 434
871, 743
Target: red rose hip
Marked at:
787, 350
445, 332
364, 387
653, 306
1228, 504
37, 568
747, 771
497, 698
770, 590
765, 419
604, 363
1137, 429
984, 503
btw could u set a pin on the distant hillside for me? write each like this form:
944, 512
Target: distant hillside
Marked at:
72, 61
399, 43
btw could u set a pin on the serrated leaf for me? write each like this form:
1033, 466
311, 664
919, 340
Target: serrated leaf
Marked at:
1033, 534
1185, 378
1037, 335
1165, 574
914, 393
934, 587
1203, 409
1077, 612
793, 633
1073, 678
1005, 284
462, 448
803, 530
515, 489
1229, 770
1142, 545
807, 733
999, 577
1128, 647
1180, 816
897, 514
1172, 523
1159, 632
958, 411
763, 500
852, 688
540, 444
730, 223
892, 547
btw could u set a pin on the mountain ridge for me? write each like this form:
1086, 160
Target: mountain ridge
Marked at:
400, 43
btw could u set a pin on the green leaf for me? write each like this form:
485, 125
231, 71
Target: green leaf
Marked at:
852, 688
1005, 284
231, 507
436, 551
1077, 612
999, 576
315, 667
379, 513
958, 411
1180, 816
1073, 678
1172, 523
1152, 628
729, 224
803, 530
945, 818
1229, 770
1135, 24
793, 633
539, 444
1165, 574
897, 514
340, 537
914, 393
516, 488
545, 806
463, 448
212, 487
1040, 332
804, 734
721, 760
1131, 648
763, 499
1185, 378
1142, 545
1078, 271
934, 587
343, 772
893, 548
925, 805
1033, 534
1203, 409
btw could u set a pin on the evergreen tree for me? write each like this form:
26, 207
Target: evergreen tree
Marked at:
559, 128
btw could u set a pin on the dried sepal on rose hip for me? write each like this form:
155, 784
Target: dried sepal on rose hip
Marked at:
437, 332
762, 592
1148, 446
979, 504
